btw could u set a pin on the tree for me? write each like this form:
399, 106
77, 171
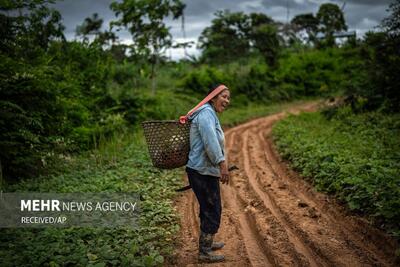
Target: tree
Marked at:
233, 35
27, 27
264, 36
30, 114
307, 23
144, 20
226, 38
391, 24
382, 86
90, 26
380, 56
331, 19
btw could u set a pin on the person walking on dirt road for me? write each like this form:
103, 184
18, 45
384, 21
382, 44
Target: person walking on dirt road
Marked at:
206, 167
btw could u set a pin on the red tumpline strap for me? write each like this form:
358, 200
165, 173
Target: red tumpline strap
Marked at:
219, 89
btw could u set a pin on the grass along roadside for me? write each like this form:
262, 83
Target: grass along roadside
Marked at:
355, 157
120, 165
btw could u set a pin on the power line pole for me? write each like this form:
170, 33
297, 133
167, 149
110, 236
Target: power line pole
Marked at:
184, 34
287, 12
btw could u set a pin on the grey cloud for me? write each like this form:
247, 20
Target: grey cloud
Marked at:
368, 2
74, 12
354, 17
359, 14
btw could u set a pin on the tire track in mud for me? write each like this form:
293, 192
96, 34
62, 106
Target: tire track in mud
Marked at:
272, 217
270, 204
355, 231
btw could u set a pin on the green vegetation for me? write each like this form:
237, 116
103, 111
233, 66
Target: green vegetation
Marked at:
352, 150
233, 34
70, 111
118, 166
354, 156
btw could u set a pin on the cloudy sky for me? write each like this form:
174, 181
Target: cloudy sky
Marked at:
360, 15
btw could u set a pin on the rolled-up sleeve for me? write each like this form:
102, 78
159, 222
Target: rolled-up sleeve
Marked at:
208, 134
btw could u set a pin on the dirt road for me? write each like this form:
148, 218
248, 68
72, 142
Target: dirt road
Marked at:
271, 217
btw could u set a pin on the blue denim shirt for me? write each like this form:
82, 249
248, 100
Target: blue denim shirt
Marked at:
206, 141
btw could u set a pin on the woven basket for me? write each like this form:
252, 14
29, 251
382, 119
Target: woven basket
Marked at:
168, 143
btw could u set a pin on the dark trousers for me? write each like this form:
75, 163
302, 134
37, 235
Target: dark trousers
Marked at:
206, 189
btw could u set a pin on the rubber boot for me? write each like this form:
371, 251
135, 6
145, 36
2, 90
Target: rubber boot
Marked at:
205, 246
217, 245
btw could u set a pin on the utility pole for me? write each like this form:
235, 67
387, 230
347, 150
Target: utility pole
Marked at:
184, 33
287, 12
343, 6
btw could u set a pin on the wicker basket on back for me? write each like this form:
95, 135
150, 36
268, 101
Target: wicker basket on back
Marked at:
168, 143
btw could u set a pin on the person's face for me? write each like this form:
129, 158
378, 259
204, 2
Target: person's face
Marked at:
221, 101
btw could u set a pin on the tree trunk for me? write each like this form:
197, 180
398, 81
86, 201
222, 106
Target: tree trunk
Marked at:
153, 74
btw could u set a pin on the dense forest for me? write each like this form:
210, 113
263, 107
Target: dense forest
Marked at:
67, 104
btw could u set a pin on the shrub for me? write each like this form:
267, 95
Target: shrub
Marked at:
202, 79
352, 156
312, 73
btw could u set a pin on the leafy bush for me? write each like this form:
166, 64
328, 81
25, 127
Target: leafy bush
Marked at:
312, 73
303, 74
165, 105
57, 103
381, 59
30, 117
256, 83
353, 156
202, 79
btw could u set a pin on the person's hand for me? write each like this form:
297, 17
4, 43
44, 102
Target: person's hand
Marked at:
224, 172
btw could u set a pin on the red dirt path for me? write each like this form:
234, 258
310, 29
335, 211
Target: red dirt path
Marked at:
272, 217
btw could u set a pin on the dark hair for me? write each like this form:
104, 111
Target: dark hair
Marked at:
212, 88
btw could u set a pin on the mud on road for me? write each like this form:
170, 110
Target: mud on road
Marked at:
272, 217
